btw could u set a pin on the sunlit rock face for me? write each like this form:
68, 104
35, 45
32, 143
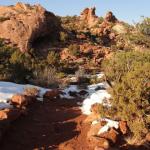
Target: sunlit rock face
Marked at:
22, 24
89, 17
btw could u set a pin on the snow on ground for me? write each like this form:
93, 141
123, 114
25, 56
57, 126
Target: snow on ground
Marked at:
109, 124
96, 93
5, 105
70, 88
73, 78
95, 96
8, 89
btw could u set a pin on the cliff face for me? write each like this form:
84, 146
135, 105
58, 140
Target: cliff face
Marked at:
22, 24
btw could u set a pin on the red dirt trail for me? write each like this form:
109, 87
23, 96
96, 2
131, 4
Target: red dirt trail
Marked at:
49, 125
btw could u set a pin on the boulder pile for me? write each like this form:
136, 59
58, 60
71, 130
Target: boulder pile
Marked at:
102, 135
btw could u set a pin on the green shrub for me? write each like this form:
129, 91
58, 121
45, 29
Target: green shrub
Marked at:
123, 62
130, 73
22, 62
21, 67
74, 50
144, 26
46, 77
5, 65
53, 58
2, 19
31, 91
63, 36
139, 39
140, 35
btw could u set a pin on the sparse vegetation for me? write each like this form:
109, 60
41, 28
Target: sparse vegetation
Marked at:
22, 67
74, 50
31, 91
53, 58
130, 74
46, 77
57, 52
64, 36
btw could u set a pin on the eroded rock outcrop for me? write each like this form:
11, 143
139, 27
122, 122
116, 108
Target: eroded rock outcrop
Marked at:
23, 24
89, 17
110, 17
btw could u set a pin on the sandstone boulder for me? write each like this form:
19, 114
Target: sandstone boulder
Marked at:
9, 114
111, 135
52, 94
23, 24
93, 130
19, 100
99, 142
98, 148
3, 114
148, 137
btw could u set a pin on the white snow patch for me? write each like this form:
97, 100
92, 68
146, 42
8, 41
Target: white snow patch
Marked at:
100, 75
98, 96
109, 124
70, 88
95, 122
5, 105
8, 89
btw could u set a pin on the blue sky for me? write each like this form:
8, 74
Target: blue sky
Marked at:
126, 10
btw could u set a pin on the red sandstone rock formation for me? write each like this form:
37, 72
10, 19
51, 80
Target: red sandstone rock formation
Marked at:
89, 17
23, 24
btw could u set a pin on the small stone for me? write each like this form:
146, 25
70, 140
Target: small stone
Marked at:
19, 100
123, 127
111, 135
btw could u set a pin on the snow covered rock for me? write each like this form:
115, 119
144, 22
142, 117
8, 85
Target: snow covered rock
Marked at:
110, 124
8, 89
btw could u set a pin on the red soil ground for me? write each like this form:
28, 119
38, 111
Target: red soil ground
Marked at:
52, 125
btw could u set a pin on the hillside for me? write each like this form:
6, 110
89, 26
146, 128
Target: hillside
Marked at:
74, 82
